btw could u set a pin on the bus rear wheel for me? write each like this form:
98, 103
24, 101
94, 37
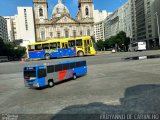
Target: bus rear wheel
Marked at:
50, 83
47, 56
74, 76
80, 53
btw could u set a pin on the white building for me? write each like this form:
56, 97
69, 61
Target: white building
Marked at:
120, 20
99, 16
99, 31
3, 29
25, 25
21, 26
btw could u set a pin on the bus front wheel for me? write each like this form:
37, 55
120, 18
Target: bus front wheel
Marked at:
47, 56
80, 53
50, 83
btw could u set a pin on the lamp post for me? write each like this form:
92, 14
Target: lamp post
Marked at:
158, 26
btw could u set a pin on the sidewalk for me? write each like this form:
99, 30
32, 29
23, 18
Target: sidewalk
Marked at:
103, 52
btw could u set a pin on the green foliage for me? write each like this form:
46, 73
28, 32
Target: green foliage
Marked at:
100, 44
120, 42
8, 49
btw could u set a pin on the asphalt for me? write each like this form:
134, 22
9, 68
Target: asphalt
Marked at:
112, 86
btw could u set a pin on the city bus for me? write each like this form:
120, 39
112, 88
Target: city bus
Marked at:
58, 48
43, 75
137, 46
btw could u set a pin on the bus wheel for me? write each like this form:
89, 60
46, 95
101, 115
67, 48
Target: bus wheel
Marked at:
47, 56
74, 76
50, 83
80, 53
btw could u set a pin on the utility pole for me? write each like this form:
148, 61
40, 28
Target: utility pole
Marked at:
158, 26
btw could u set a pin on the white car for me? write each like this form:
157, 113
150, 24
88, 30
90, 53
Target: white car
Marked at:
113, 51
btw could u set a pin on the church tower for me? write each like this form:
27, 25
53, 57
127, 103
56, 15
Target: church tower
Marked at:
86, 8
40, 10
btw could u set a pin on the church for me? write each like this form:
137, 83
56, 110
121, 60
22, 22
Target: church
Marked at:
61, 24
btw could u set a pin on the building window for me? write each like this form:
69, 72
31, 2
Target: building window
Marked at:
81, 33
58, 34
88, 32
74, 33
43, 35
51, 34
66, 34
41, 12
25, 17
87, 11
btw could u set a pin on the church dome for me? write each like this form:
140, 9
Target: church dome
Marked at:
60, 9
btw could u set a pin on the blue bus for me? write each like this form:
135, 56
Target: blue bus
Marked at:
42, 75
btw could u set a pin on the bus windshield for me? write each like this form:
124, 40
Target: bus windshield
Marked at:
30, 73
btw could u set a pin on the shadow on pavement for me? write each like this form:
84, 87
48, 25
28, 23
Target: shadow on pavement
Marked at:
140, 99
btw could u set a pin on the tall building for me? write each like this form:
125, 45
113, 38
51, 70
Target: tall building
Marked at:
99, 16
99, 31
21, 26
61, 23
3, 29
144, 22
10, 28
25, 25
119, 20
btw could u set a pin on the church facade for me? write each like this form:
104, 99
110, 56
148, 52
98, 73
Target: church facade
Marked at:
61, 24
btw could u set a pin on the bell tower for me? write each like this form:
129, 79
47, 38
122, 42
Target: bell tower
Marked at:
40, 10
86, 8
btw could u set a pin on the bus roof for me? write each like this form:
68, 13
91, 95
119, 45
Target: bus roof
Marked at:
42, 65
61, 39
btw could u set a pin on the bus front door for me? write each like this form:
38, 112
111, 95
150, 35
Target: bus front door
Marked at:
87, 47
65, 49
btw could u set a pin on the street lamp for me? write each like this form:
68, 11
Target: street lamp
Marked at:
158, 26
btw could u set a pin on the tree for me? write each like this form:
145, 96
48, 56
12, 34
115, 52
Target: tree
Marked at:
8, 49
100, 44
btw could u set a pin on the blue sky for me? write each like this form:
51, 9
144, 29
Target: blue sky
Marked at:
9, 7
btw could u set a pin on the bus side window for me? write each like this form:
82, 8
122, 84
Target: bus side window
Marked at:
58, 45
38, 47
79, 42
53, 45
42, 73
89, 42
31, 48
50, 69
58, 68
72, 43
80, 64
45, 46
66, 66
66, 46
72, 65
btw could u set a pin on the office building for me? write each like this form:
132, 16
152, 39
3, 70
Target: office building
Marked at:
3, 29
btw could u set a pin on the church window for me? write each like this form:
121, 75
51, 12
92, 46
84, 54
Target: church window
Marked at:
43, 35
41, 12
51, 34
87, 11
74, 33
66, 34
81, 33
88, 32
58, 34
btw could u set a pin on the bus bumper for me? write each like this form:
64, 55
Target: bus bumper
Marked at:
32, 84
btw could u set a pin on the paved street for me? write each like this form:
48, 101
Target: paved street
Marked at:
112, 86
